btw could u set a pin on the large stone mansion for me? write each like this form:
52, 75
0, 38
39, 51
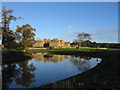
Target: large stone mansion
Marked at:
51, 43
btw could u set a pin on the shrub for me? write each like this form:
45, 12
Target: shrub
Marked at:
51, 47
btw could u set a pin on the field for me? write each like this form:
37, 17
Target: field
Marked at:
72, 50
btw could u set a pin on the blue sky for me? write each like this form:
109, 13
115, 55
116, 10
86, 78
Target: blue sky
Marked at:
63, 20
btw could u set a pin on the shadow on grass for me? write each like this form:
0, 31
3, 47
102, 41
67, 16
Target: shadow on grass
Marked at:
14, 56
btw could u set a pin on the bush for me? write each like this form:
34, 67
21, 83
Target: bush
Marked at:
51, 47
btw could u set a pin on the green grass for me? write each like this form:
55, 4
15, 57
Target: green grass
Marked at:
72, 50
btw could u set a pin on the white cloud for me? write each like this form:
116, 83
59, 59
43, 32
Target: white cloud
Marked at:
69, 27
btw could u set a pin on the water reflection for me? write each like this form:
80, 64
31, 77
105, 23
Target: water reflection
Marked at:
50, 58
43, 69
84, 63
21, 73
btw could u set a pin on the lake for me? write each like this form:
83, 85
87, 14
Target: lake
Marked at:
44, 69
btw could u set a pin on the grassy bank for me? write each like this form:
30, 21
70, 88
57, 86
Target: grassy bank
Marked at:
71, 49
10, 56
74, 51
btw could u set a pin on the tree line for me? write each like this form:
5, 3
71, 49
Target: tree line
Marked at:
100, 45
21, 38
84, 40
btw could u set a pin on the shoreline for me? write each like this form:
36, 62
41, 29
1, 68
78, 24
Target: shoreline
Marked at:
93, 78
15, 56
86, 79
109, 61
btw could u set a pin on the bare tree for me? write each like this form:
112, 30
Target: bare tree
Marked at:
82, 37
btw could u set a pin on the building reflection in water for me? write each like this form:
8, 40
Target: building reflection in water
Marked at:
49, 57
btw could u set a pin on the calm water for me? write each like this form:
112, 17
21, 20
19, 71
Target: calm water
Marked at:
44, 68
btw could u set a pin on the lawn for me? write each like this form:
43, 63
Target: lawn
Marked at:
72, 50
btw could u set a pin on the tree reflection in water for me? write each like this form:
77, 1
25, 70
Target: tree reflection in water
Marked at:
82, 63
22, 73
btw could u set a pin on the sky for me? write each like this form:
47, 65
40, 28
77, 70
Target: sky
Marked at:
60, 0
63, 20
